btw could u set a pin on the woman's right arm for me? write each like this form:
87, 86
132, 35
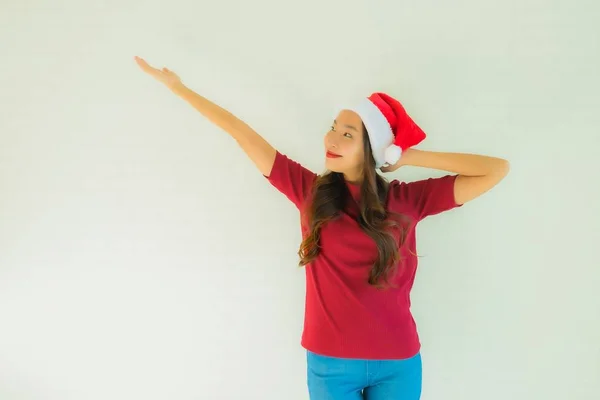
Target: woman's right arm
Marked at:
255, 146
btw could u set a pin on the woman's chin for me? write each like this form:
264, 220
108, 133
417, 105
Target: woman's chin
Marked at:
333, 165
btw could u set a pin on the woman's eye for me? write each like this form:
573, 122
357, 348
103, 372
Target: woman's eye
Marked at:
348, 135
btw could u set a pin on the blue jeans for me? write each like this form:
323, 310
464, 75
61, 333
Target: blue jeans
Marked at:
332, 378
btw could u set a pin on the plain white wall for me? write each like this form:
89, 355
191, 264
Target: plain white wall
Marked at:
142, 256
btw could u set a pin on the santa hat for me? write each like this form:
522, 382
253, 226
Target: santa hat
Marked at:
391, 130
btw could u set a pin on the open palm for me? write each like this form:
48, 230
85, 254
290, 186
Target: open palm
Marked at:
164, 75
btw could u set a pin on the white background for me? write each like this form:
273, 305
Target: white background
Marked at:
142, 256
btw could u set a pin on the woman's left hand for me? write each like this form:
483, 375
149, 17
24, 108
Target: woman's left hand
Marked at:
476, 173
399, 163
389, 168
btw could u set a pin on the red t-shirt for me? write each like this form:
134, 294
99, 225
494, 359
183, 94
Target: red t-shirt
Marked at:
345, 316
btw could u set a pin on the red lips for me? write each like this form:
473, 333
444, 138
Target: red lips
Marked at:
332, 155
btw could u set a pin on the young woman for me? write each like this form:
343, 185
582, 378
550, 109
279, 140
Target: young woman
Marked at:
358, 243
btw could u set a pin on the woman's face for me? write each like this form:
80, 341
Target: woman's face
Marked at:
344, 147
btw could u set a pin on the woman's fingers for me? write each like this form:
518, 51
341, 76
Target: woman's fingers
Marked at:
145, 66
164, 74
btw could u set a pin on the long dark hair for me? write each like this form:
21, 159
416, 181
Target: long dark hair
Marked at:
329, 197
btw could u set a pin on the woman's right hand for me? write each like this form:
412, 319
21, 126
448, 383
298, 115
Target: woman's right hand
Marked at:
165, 76
255, 146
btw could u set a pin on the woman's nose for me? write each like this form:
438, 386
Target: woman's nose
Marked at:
332, 141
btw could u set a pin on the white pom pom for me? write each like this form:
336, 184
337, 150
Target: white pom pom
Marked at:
392, 154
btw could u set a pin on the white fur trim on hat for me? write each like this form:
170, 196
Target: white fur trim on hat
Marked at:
392, 154
379, 130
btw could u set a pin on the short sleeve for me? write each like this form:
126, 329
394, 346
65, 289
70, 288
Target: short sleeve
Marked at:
291, 178
428, 196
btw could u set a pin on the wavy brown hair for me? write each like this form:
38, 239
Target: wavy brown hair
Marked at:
329, 197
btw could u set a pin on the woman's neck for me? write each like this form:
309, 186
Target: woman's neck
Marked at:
354, 178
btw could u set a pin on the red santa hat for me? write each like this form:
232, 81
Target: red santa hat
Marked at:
391, 130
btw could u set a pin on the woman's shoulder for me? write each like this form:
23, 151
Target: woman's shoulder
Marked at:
423, 197
398, 196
